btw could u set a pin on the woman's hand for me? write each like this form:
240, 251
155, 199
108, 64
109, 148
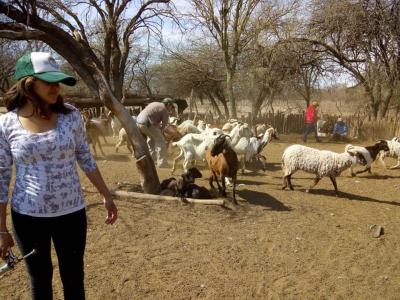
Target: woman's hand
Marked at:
6, 242
112, 211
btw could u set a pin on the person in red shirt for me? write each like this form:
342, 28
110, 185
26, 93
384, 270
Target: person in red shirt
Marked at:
310, 119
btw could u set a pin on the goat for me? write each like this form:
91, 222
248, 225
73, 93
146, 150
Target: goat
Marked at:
254, 147
185, 187
114, 123
186, 127
100, 124
122, 139
370, 154
223, 162
193, 146
394, 151
171, 133
93, 133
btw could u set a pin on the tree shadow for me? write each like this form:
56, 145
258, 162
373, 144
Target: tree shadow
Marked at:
375, 176
274, 167
249, 182
349, 196
116, 157
262, 199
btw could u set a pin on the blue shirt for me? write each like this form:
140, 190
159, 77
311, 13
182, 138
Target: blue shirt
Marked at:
340, 128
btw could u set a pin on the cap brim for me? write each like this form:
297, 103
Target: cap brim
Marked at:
56, 77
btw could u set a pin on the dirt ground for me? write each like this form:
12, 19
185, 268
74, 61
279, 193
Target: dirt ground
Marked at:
275, 245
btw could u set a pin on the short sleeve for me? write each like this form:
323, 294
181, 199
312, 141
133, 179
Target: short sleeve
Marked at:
5, 166
84, 157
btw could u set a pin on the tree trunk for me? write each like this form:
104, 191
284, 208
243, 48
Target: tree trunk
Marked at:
215, 105
230, 94
385, 104
220, 96
148, 173
256, 105
190, 105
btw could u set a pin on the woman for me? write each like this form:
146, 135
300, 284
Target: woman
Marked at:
45, 138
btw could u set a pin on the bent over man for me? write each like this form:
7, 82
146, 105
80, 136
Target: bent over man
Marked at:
152, 121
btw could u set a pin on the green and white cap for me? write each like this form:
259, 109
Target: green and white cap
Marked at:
42, 66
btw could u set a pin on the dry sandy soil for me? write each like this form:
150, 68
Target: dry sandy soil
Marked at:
275, 245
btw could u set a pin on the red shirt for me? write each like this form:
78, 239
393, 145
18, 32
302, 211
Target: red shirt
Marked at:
310, 116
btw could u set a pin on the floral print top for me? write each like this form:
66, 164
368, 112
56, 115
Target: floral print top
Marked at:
47, 182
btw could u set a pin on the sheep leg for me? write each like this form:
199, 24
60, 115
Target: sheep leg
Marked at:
289, 180
285, 184
316, 180
333, 179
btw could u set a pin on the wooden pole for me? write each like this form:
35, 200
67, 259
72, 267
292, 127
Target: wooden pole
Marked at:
126, 194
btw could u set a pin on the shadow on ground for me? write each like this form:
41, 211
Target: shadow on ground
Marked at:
349, 196
262, 199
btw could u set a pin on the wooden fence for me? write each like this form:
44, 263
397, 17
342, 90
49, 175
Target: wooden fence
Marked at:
359, 127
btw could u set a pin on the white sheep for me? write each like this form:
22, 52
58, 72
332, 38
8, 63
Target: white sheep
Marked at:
394, 151
320, 162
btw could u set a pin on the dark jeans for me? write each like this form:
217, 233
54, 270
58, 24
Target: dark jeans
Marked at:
68, 233
310, 127
339, 138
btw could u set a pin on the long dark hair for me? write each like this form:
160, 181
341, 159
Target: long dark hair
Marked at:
20, 92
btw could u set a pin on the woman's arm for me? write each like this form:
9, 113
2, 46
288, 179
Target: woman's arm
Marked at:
97, 180
6, 240
89, 166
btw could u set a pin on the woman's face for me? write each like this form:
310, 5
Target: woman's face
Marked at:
47, 91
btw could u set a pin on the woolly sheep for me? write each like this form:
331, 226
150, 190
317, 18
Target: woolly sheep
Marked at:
320, 162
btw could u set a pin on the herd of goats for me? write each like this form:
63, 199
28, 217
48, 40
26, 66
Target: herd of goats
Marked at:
232, 147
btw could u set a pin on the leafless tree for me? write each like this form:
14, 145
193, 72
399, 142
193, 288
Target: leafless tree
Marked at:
364, 38
95, 37
197, 67
228, 23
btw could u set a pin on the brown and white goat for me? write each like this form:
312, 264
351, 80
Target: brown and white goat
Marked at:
223, 162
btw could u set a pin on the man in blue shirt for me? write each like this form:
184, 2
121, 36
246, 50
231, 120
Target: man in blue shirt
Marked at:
340, 131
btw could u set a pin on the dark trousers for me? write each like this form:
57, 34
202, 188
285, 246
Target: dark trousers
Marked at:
68, 233
310, 127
